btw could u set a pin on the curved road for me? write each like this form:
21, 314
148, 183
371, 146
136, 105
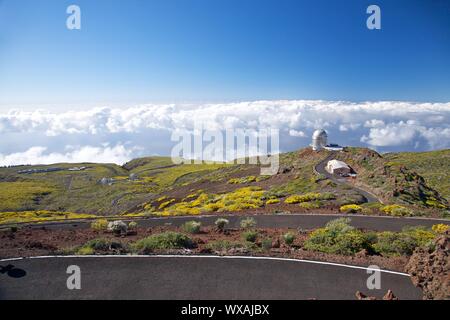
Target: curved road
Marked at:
192, 277
303, 221
320, 168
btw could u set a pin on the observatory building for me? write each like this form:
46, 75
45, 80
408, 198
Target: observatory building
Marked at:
338, 167
320, 140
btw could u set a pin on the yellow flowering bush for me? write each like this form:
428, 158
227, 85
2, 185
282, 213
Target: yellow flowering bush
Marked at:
272, 201
248, 179
440, 228
240, 199
40, 216
166, 204
350, 208
99, 225
310, 196
396, 210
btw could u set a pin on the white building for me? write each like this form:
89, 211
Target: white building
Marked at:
338, 167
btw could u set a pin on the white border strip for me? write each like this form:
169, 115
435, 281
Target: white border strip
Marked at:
215, 257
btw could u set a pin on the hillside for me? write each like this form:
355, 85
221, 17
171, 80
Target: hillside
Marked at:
433, 166
155, 186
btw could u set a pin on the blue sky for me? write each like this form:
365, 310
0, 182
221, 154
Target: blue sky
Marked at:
139, 71
217, 51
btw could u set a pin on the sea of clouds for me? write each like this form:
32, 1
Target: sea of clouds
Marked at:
117, 135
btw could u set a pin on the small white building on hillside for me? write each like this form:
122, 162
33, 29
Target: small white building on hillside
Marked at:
338, 167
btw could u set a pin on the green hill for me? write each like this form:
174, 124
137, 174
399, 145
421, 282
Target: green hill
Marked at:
433, 166
154, 185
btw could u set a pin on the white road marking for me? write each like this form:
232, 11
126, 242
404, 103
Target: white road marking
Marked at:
214, 257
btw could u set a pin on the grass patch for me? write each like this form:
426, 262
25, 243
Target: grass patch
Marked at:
165, 240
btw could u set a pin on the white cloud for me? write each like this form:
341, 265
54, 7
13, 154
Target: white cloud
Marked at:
38, 155
393, 134
349, 126
297, 115
382, 125
297, 133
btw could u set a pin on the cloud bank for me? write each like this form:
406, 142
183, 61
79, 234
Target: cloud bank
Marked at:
39, 155
145, 129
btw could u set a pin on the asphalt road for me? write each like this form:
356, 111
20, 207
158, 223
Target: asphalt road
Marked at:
304, 221
320, 168
175, 278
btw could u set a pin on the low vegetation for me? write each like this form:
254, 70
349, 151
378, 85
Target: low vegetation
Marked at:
99, 225
224, 245
221, 223
339, 237
396, 210
289, 238
351, 208
250, 235
100, 246
311, 196
161, 241
248, 223
192, 227
410, 183
40, 216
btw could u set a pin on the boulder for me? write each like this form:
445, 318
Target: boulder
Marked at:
430, 269
118, 227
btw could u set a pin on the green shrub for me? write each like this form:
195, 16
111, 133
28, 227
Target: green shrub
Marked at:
420, 234
98, 244
266, 244
101, 245
337, 237
310, 205
289, 238
165, 240
132, 226
99, 225
192, 227
397, 210
85, 251
248, 223
403, 243
250, 235
394, 244
221, 223
221, 245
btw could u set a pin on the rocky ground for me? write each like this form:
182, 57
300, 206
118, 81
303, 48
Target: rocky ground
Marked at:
36, 242
430, 268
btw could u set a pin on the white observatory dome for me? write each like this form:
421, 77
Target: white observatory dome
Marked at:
319, 139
